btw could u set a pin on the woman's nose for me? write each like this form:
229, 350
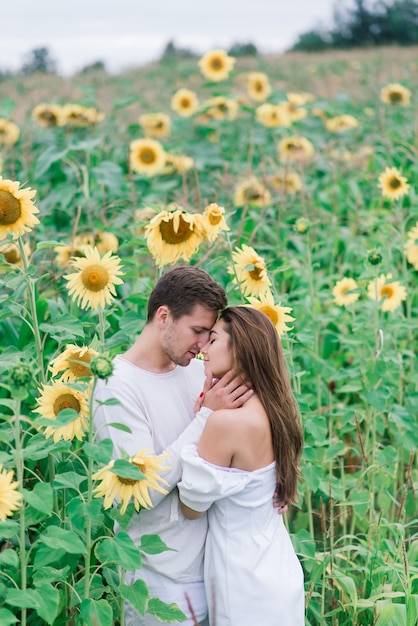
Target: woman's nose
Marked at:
203, 348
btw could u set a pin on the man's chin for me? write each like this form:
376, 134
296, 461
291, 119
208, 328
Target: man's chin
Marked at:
184, 361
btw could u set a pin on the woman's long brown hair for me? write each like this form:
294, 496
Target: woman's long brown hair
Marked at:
258, 357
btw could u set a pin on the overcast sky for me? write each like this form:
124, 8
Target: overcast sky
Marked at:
127, 33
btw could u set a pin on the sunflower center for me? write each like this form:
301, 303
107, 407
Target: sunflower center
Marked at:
217, 63
258, 86
10, 209
252, 194
256, 272
271, 313
222, 107
395, 96
215, 217
48, 117
66, 401
127, 481
387, 291
171, 236
147, 155
94, 277
394, 183
185, 103
11, 254
77, 368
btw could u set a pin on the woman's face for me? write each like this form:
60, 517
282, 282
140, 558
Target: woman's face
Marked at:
217, 354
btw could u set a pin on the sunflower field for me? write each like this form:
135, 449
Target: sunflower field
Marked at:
293, 181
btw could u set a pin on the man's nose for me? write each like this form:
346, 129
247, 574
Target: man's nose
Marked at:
203, 340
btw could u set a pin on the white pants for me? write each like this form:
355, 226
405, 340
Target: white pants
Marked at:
170, 592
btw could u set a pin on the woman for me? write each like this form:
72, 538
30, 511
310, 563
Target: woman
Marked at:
252, 574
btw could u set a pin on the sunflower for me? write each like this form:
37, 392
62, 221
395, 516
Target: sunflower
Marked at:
301, 97
391, 292
220, 108
64, 254
258, 86
287, 182
123, 489
71, 363
272, 115
155, 124
318, 112
77, 115
106, 242
216, 64
295, 149
173, 234
251, 192
142, 217
147, 156
93, 284
9, 132
251, 272
11, 255
10, 498
185, 102
293, 107
55, 398
411, 246
48, 115
393, 184
395, 94
342, 289
213, 219
278, 314
178, 163
17, 211
341, 123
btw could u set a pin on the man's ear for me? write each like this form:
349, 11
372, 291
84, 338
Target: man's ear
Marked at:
162, 315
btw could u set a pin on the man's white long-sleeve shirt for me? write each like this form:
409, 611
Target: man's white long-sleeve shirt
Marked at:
158, 409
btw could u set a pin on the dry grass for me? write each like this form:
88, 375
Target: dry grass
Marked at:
361, 73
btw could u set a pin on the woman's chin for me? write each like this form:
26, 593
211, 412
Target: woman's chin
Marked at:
209, 369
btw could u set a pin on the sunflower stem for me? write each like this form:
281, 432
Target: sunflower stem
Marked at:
228, 239
87, 562
32, 304
86, 192
102, 328
19, 474
122, 601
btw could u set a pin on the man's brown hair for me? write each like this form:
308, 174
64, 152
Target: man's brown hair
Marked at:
181, 288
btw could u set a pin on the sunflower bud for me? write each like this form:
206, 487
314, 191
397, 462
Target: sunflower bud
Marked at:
374, 257
302, 226
20, 375
101, 366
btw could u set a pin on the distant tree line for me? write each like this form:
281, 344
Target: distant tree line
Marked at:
40, 60
171, 50
366, 23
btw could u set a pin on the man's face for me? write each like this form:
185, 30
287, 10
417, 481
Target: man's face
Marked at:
183, 338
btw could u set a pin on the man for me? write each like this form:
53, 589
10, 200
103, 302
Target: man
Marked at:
157, 382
